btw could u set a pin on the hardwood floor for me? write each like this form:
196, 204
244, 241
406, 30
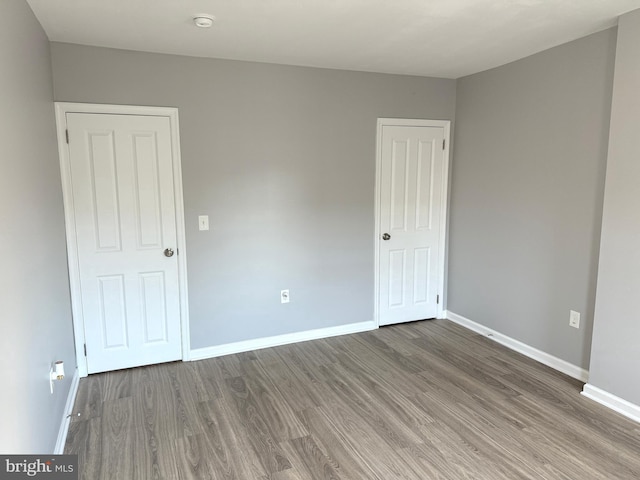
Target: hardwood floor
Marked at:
426, 400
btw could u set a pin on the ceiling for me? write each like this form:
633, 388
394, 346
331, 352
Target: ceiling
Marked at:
440, 38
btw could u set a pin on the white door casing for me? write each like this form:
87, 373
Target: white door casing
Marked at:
411, 193
123, 208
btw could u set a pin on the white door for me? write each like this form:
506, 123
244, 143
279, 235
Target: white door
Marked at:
411, 200
121, 171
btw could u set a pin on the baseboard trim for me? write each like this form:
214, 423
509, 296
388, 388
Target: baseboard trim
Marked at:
266, 342
66, 414
531, 352
620, 405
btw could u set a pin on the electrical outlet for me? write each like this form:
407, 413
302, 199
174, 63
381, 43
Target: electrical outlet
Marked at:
574, 319
284, 296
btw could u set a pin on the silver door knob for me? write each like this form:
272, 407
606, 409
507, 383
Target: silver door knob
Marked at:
168, 252
386, 236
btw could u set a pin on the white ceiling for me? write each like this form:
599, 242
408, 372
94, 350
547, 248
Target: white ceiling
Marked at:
441, 38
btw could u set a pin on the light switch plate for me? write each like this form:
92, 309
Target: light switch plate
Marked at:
203, 222
574, 319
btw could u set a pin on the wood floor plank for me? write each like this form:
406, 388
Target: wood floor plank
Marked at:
465, 360
390, 402
351, 395
190, 375
301, 367
300, 391
424, 400
381, 372
622, 458
116, 384
152, 413
313, 353
454, 383
85, 440
463, 459
211, 380
118, 440
277, 411
274, 364
380, 348
90, 397
185, 400
229, 450
229, 366
310, 461
365, 442
480, 437
259, 432
192, 458
337, 446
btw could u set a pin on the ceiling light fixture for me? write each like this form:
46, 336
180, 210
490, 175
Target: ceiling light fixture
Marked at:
203, 20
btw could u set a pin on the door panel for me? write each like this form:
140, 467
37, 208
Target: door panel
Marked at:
154, 317
412, 161
124, 207
424, 181
147, 192
422, 263
399, 178
101, 157
112, 312
397, 269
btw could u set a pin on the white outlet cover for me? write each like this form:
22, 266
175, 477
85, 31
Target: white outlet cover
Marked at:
284, 296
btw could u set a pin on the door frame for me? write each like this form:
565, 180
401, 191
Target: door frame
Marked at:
404, 122
61, 110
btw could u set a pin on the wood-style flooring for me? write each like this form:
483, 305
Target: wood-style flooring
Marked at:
425, 400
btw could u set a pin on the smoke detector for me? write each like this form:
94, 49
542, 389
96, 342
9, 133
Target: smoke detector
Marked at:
203, 20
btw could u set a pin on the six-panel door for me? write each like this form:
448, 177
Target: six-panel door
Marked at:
412, 160
124, 208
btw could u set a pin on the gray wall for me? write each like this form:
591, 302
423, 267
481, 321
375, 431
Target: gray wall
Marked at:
615, 355
526, 194
282, 159
35, 314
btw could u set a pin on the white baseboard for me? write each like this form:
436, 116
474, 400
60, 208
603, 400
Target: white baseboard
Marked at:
531, 352
620, 405
258, 343
68, 410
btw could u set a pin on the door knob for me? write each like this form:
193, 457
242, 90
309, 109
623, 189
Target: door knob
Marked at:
168, 252
386, 236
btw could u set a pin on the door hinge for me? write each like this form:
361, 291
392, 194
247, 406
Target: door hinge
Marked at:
66, 134
443, 143
438, 299
85, 349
